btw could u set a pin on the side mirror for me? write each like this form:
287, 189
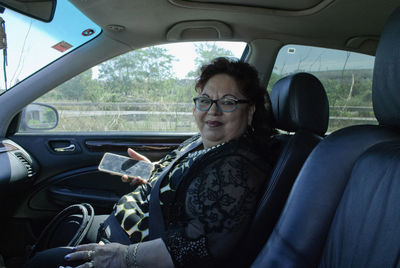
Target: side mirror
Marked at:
38, 116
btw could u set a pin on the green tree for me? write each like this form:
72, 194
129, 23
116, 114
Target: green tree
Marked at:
206, 52
78, 88
141, 73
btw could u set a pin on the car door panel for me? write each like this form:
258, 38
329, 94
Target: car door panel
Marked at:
67, 176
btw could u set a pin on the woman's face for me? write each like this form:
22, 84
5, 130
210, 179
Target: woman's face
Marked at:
216, 126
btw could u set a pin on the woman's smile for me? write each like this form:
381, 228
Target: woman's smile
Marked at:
213, 124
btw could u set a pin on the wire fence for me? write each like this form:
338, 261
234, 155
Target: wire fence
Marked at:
88, 116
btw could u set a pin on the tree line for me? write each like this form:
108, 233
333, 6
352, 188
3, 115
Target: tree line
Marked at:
143, 75
146, 76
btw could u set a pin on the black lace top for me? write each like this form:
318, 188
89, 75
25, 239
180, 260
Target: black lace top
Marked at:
206, 214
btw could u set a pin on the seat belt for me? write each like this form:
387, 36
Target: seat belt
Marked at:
156, 220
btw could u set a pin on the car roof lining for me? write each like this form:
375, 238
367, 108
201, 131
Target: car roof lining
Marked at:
149, 22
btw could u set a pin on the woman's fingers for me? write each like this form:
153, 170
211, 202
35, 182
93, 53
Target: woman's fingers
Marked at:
103, 256
83, 247
85, 265
83, 252
133, 180
125, 178
136, 156
86, 255
138, 180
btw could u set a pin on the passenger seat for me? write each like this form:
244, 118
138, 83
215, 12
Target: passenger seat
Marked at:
344, 208
301, 111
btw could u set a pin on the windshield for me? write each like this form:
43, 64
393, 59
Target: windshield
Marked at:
32, 44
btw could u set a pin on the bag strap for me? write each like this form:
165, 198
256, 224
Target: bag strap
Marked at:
45, 238
156, 220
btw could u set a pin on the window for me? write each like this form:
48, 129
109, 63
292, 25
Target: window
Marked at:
150, 89
33, 44
346, 76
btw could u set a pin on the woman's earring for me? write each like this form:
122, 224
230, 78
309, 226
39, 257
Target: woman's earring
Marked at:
250, 130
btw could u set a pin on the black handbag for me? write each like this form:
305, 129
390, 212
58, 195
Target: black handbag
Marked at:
110, 231
67, 228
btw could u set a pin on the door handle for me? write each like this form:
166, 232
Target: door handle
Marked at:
63, 146
69, 148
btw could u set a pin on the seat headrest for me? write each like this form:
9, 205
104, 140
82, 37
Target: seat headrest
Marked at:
299, 101
386, 78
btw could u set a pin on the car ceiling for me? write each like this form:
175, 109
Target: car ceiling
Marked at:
266, 24
344, 24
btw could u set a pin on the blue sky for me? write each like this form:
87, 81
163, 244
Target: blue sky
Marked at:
29, 41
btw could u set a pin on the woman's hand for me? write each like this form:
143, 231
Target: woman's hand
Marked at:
136, 156
135, 180
100, 255
151, 253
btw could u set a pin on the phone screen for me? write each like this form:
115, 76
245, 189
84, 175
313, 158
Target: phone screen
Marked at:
121, 165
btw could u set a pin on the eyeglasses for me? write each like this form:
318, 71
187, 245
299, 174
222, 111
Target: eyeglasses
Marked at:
225, 104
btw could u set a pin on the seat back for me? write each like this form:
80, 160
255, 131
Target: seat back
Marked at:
300, 105
344, 207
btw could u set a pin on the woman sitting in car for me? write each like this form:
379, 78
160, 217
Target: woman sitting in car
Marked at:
209, 195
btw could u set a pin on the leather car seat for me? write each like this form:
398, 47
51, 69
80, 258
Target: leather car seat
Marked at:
300, 106
344, 208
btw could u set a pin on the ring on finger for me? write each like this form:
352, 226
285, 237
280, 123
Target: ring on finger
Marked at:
90, 255
91, 264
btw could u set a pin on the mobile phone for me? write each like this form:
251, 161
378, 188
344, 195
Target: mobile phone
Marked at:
121, 165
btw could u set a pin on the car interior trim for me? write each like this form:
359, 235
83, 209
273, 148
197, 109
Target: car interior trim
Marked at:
105, 146
252, 9
276, 4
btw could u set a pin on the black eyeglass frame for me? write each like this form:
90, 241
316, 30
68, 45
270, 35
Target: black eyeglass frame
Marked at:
236, 101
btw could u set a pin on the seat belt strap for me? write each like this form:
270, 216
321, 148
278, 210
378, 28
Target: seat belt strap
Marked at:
156, 220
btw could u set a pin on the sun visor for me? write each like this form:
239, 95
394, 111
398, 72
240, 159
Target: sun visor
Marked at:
199, 30
367, 44
275, 4
273, 7
38, 9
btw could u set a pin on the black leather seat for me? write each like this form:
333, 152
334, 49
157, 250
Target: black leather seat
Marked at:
300, 106
344, 208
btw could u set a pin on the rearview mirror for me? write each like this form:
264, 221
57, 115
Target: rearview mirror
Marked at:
38, 116
39, 9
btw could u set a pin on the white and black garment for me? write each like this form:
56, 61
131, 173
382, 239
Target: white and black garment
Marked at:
209, 211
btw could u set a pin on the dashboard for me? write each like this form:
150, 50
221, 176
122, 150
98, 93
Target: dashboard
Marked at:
16, 165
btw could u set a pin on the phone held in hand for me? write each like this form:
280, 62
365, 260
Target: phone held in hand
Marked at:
121, 165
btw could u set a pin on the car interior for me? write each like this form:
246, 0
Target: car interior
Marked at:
332, 199
347, 207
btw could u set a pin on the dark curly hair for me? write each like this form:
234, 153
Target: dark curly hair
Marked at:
249, 85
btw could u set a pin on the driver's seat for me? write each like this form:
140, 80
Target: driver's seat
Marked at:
344, 209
